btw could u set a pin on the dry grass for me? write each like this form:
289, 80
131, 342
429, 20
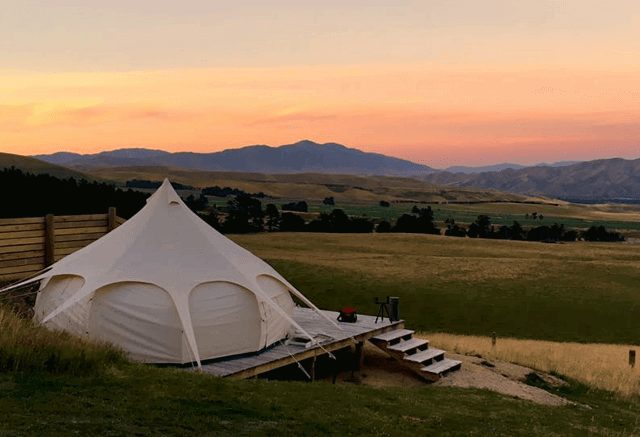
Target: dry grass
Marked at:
603, 366
601, 212
427, 257
27, 347
314, 186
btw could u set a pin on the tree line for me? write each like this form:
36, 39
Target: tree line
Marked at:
482, 228
245, 214
30, 195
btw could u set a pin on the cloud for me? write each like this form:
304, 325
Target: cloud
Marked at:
84, 116
295, 117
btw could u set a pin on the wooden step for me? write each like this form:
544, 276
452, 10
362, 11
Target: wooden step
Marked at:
408, 345
393, 335
437, 369
426, 355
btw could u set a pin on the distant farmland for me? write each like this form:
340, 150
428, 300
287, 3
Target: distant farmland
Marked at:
584, 292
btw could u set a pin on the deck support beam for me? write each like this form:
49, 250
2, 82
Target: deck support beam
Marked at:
358, 359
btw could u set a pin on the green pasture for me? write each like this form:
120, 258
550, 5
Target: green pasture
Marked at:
585, 292
138, 400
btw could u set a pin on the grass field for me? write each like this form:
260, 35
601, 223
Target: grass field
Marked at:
604, 366
120, 398
581, 292
135, 400
572, 292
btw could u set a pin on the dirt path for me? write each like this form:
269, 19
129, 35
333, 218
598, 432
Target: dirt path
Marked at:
380, 370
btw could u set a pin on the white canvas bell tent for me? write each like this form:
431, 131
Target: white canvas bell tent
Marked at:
168, 288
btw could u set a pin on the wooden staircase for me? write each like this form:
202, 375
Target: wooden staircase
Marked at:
415, 353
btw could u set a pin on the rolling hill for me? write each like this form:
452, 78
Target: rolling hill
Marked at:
316, 186
503, 166
301, 157
37, 166
616, 180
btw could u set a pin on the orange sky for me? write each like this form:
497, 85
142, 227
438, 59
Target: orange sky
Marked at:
549, 84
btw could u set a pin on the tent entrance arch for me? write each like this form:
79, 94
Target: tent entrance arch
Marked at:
226, 319
141, 318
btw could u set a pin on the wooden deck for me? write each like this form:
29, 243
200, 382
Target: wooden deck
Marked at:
281, 355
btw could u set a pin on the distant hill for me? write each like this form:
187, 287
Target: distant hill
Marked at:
613, 179
503, 166
301, 157
37, 166
317, 186
483, 168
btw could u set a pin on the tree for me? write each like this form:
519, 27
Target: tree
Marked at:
384, 204
338, 221
196, 204
300, 206
290, 222
383, 226
453, 230
600, 233
228, 191
212, 220
517, 232
422, 223
329, 201
480, 228
273, 216
335, 221
244, 214
571, 235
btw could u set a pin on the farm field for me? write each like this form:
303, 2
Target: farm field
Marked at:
360, 196
581, 292
312, 186
620, 217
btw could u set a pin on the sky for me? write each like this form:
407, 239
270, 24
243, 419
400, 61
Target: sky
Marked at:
440, 82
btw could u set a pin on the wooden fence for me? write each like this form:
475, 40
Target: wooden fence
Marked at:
28, 245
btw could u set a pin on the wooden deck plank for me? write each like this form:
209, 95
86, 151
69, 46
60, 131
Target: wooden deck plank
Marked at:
441, 366
423, 356
405, 346
280, 355
394, 335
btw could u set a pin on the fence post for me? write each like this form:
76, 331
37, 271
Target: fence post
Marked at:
632, 358
49, 240
494, 338
111, 219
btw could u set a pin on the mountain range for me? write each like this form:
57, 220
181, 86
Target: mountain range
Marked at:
503, 166
302, 157
613, 179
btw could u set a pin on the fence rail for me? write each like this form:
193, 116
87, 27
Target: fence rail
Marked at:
28, 245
